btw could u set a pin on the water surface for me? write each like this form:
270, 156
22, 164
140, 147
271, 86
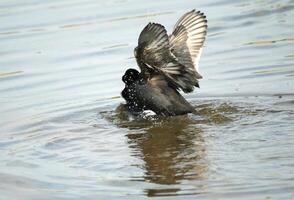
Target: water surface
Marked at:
64, 134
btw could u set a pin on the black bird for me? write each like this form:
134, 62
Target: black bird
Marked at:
168, 64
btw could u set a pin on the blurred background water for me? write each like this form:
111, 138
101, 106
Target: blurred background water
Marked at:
63, 134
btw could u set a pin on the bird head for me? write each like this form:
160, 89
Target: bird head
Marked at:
130, 76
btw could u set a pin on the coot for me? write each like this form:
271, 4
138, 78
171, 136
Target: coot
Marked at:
168, 64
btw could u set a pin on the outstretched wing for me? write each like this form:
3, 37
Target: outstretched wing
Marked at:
187, 40
153, 49
153, 54
176, 56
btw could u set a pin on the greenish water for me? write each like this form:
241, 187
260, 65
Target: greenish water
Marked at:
63, 132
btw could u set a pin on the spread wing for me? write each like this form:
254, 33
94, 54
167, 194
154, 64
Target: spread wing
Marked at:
187, 40
153, 49
153, 53
175, 56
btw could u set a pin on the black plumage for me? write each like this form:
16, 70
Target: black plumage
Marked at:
168, 64
153, 94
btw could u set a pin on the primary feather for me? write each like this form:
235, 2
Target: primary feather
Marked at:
176, 56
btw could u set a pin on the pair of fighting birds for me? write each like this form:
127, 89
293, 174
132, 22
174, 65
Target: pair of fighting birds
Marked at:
168, 63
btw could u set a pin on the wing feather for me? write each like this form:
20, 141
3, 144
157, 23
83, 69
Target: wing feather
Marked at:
153, 47
174, 56
187, 40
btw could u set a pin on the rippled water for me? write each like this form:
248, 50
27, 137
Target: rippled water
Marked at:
64, 134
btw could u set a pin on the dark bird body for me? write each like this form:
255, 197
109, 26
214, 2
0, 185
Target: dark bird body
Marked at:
168, 64
153, 94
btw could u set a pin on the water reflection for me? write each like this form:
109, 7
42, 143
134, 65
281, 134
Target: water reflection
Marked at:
172, 149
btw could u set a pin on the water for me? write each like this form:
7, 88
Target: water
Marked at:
64, 134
